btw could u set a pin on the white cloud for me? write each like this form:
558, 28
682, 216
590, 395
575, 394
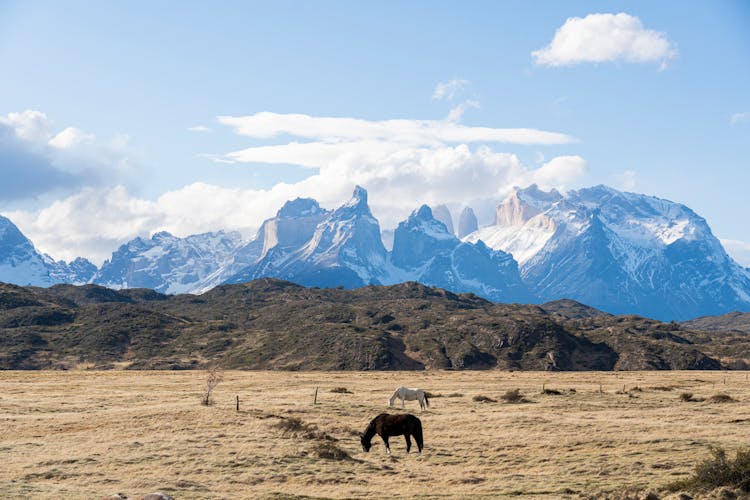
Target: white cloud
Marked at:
457, 112
449, 89
605, 37
559, 172
71, 137
37, 160
738, 118
266, 125
199, 128
94, 222
738, 250
29, 125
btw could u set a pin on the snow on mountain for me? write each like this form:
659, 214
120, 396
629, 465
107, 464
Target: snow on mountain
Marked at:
293, 225
521, 228
344, 249
425, 251
78, 272
20, 263
467, 222
620, 252
166, 263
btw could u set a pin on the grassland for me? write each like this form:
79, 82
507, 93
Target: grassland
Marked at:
84, 434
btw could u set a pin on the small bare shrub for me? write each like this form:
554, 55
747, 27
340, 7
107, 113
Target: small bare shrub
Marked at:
551, 392
665, 388
296, 427
719, 471
687, 397
721, 398
483, 399
214, 376
431, 395
293, 426
330, 451
514, 396
341, 390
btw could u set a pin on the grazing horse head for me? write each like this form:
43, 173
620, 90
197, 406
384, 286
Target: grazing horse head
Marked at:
366, 444
366, 437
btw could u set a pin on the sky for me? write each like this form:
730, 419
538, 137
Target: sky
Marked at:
121, 119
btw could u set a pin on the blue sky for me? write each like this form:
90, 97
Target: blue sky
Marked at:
98, 99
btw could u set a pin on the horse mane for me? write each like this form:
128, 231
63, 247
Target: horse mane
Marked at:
370, 431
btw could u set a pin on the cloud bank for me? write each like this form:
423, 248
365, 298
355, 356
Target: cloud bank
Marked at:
602, 38
402, 163
35, 159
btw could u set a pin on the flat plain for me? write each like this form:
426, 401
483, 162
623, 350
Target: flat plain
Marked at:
88, 434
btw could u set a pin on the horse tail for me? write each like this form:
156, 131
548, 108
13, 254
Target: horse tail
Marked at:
426, 399
418, 434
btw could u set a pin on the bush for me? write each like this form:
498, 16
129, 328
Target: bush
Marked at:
295, 427
721, 398
686, 397
483, 399
719, 471
341, 390
514, 396
431, 395
330, 451
551, 392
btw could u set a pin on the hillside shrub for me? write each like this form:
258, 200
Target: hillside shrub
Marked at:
721, 398
341, 390
719, 471
483, 399
514, 396
330, 451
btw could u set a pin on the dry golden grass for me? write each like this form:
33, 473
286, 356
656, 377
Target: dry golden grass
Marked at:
87, 434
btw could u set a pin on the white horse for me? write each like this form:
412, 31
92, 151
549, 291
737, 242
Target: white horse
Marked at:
409, 394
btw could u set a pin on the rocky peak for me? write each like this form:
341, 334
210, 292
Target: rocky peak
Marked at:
467, 222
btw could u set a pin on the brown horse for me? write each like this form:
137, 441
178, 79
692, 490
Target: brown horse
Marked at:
386, 425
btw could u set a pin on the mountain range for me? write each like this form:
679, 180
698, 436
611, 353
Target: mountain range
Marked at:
619, 252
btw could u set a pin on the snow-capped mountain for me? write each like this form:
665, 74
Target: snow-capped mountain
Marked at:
425, 251
620, 252
78, 272
293, 226
22, 264
166, 263
344, 249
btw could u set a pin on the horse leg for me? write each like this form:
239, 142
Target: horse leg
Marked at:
387, 446
408, 442
403, 403
418, 439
